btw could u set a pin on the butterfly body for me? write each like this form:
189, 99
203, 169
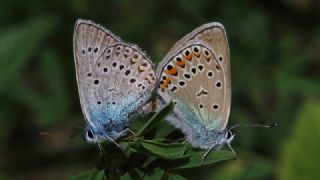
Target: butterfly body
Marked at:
115, 81
195, 74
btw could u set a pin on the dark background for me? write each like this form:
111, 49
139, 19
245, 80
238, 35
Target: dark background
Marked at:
275, 60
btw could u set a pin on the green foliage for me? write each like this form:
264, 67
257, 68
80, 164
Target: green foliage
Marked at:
300, 156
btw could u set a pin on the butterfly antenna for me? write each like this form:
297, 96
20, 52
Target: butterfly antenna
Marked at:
61, 130
253, 125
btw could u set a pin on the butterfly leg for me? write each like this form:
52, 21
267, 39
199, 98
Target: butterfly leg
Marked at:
181, 139
126, 131
229, 145
113, 141
207, 153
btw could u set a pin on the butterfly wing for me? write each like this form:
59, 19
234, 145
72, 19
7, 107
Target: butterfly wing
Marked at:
196, 73
114, 78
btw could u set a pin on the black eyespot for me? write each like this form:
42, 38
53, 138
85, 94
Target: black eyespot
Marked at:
89, 134
206, 52
218, 84
178, 59
96, 82
195, 49
127, 72
169, 67
114, 64
132, 80
107, 57
125, 55
113, 102
143, 87
89, 49
200, 67
135, 56
182, 83
105, 69
174, 88
187, 53
193, 70
98, 64
210, 74
200, 106
83, 51
98, 102
89, 74
220, 58
109, 51
95, 50
118, 48
215, 107
187, 76
121, 67
164, 77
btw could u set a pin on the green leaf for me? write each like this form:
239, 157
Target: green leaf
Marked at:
96, 174
164, 150
156, 173
195, 159
82, 175
93, 174
300, 155
155, 119
176, 177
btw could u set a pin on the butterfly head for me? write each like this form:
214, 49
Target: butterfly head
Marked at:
225, 137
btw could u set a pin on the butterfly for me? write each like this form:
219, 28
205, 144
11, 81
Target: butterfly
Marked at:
115, 80
195, 75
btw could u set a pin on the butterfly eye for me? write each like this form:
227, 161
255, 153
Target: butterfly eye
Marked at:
89, 134
229, 134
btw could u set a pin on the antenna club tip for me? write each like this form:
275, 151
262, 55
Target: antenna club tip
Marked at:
274, 125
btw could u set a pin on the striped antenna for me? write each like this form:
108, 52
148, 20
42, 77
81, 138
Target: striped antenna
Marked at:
61, 130
253, 125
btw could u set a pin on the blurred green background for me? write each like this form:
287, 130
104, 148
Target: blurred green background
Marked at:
275, 58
